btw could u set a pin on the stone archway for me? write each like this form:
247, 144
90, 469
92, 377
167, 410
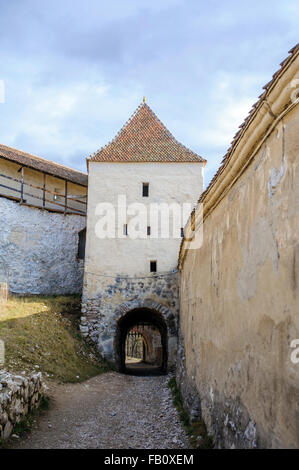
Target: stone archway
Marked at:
144, 340
129, 320
147, 312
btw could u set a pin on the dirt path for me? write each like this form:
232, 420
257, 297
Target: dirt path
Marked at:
111, 411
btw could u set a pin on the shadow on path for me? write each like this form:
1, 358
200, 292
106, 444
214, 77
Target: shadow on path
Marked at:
143, 369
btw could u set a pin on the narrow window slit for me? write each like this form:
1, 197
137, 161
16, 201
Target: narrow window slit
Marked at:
153, 266
145, 189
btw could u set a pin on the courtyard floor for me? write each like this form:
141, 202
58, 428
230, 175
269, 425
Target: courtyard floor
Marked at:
109, 411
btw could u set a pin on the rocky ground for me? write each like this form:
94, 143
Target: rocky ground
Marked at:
109, 411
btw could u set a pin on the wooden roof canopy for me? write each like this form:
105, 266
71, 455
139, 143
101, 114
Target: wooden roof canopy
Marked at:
43, 165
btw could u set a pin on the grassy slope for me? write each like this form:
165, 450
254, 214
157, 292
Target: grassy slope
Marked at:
41, 333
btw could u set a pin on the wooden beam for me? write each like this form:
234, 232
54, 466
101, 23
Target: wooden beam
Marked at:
72, 198
39, 171
22, 185
22, 191
65, 197
44, 191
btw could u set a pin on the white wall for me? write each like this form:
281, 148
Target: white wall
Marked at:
168, 182
39, 249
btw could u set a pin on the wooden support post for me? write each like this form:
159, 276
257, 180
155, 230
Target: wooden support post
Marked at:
65, 198
22, 184
44, 191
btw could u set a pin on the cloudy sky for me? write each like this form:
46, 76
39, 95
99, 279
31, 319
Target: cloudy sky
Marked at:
75, 70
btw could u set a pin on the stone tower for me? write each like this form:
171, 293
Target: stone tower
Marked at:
130, 275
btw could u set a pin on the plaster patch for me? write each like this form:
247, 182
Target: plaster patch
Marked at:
275, 179
262, 245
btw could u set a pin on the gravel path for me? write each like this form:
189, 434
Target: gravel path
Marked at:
110, 411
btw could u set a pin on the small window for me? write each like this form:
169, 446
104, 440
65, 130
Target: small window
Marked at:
153, 266
125, 229
148, 231
182, 232
145, 189
81, 244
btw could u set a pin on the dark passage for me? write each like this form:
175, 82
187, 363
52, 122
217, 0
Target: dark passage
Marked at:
141, 343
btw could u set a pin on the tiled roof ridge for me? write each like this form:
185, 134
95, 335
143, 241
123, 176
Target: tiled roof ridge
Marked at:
252, 113
118, 133
42, 164
31, 155
226, 158
170, 134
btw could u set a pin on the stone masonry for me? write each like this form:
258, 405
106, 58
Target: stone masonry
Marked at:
230, 420
39, 250
18, 396
117, 296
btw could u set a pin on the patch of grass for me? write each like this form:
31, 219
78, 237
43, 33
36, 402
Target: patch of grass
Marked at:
25, 425
197, 431
44, 402
42, 334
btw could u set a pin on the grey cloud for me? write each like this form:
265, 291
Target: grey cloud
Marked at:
177, 53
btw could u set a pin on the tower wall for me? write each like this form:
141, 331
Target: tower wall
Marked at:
117, 270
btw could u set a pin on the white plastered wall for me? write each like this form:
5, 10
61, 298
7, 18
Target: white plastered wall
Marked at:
168, 183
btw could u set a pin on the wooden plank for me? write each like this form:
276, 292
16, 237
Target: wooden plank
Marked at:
3, 291
77, 211
47, 190
39, 171
22, 185
11, 189
44, 190
65, 197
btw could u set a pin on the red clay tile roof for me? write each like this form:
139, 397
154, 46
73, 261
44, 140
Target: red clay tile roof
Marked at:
41, 164
144, 138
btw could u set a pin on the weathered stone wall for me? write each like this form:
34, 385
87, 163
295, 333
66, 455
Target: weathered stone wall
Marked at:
39, 249
240, 291
18, 396
116, 296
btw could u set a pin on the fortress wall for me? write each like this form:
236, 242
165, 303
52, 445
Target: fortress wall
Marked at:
39, 250
239, 293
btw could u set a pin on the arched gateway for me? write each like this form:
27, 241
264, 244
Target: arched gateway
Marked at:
146, 314
109, 329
